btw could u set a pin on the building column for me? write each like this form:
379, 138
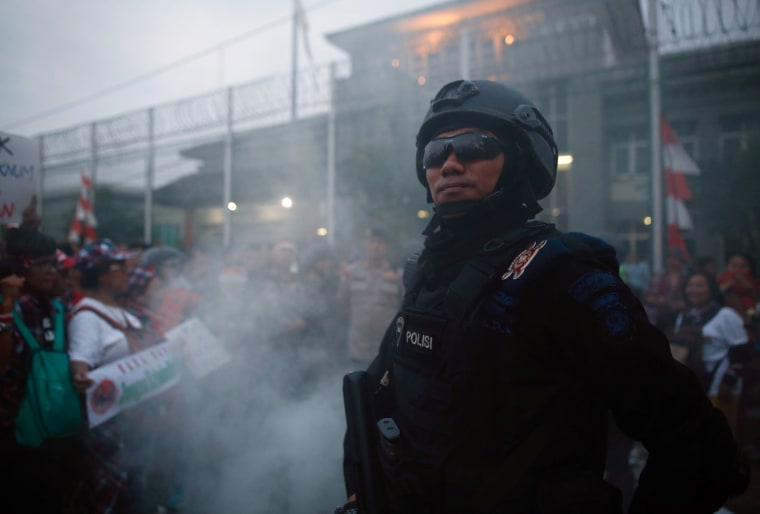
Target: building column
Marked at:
587, 182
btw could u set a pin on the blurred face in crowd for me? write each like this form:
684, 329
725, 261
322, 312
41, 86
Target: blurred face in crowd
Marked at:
324, 267
673, 263
151, 297
697, 291
459, 179
739, 266
255, 258
115, 277
66, 280
197, 264
42, 275
376, 248
133, 256
283, 257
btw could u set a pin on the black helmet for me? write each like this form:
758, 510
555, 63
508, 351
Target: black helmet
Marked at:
501, 110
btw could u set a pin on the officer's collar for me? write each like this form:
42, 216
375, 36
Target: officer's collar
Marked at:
491, 215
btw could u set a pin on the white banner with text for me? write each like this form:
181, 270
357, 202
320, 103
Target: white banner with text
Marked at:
127, 382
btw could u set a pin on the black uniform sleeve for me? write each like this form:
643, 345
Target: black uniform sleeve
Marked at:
693, 463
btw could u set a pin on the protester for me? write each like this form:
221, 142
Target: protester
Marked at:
741, 290
514, 340
38, 478
636, 273
10, 285
158, 423
663, 298
708, 264
319, 276
711, 340
175, 301
281, 323
67, 287
101, 332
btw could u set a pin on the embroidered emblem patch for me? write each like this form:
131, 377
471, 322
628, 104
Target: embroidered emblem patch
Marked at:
517, 268
399, 329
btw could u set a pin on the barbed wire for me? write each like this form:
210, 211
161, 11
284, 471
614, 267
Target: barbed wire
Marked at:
266, 100
576, 45
163, 69
685, 24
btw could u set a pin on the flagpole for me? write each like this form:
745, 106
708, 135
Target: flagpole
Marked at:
654, 115
93, 161
150, 178
294, 64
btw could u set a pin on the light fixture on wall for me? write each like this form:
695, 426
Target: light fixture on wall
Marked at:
564, 162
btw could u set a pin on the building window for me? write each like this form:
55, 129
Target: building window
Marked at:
486, 57
629, 152
733, 139
551, 100
686, 131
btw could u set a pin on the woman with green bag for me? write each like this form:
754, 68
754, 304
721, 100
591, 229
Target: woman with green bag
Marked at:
40, 413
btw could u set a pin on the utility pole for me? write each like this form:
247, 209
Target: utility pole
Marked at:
227, 174
294, 64
654, 120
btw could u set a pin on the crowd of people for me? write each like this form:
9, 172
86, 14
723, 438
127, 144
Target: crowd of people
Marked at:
103, 302
710, 317
293, 322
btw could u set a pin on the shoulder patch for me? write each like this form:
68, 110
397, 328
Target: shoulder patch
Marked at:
590, 284
613, 315
518, 265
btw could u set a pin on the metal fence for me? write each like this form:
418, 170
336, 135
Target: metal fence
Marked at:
136, 153
131, 156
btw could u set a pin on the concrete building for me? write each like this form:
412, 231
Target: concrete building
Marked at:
584, 62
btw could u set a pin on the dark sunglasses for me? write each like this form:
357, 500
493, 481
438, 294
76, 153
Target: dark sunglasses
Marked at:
468, 146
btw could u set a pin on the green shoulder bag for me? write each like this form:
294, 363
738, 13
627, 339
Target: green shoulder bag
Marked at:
50, 407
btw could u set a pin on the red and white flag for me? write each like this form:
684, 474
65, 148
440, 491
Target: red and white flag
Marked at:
83, 226
678, 164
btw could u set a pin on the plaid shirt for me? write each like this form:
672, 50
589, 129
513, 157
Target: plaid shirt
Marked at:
38, 314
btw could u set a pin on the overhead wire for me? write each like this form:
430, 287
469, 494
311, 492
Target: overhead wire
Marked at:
160, 71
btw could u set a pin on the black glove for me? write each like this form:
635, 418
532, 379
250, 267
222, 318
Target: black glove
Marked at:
348, 508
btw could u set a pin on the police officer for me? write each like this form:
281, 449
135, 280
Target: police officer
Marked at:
514, 342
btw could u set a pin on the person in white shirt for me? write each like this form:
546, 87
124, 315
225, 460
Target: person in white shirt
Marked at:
711, 339
94, 337
101, 332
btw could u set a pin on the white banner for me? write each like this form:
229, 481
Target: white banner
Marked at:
19, 174
202, 352
127, 382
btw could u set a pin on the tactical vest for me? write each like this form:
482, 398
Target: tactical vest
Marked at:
461, 440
